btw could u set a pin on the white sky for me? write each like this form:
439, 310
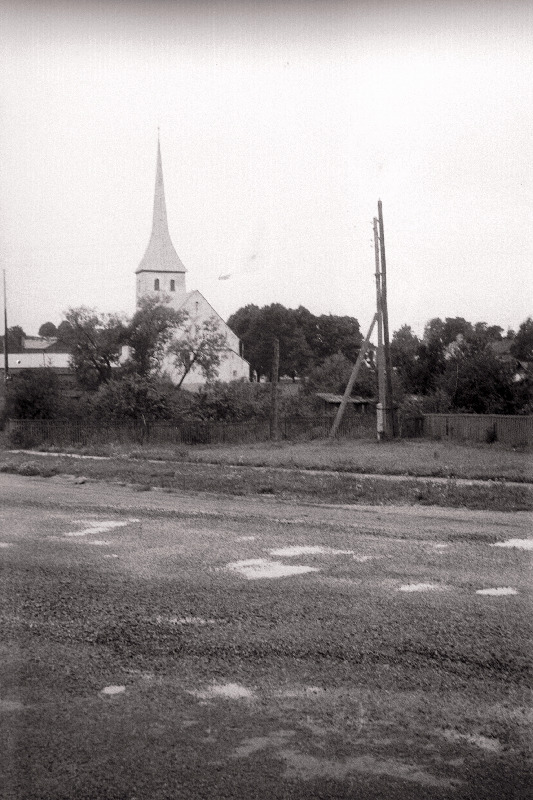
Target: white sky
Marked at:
282, 123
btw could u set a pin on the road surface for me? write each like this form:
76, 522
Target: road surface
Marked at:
165, 645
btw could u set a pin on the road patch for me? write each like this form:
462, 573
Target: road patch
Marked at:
98, 526
488, 743
521, 544
255, 568
112, 690
498, 591
225, 691
308, 550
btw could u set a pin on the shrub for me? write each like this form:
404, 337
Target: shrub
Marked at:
29, 468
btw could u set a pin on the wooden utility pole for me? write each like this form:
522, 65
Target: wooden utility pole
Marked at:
274, 403
353, 377
6, 357
389, 406
380, 358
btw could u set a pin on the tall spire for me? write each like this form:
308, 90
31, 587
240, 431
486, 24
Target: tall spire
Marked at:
160, 255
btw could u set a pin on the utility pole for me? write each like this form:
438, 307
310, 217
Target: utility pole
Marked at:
389, 406
6, 357
380, 359
353, 377
274, 403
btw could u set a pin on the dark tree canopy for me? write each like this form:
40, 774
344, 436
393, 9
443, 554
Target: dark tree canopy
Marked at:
94, 341
15, 335
305, 339
48, 329
522, 345
149, 333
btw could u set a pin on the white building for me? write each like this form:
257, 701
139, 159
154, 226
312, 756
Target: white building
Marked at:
161, 273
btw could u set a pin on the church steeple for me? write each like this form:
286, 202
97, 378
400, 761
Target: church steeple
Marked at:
161, 269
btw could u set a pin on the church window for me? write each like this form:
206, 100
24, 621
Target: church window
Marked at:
156, 285
172, 285
196, 306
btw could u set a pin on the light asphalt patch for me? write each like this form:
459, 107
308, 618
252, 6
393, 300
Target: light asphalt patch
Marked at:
257, 568
305, 550
6, 544
520, 544
98, 526
484, 742
499, 591
112, 690
195, 621
224, 691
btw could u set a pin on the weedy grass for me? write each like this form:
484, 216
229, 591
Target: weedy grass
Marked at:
417, 458
319, 486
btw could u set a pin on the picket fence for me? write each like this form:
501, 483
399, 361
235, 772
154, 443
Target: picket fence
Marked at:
506, 428
27, 433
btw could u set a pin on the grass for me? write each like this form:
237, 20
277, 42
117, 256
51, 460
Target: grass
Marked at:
422, 458
326, 485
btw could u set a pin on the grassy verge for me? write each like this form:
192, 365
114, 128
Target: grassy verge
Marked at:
321, 487
421, 458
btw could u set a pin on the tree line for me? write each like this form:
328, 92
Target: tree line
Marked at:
455, 366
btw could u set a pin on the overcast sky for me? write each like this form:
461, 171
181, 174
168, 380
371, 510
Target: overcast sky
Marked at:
281, 125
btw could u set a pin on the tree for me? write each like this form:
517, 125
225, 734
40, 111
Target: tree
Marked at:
15, 336
94, 341
48, 329
150, 332
522, 346
332, 375
34, 394
198, 345
262, 327
475, 381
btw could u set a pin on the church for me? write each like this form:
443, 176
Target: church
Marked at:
161, 274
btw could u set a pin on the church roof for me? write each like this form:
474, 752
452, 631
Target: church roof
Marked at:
160, 255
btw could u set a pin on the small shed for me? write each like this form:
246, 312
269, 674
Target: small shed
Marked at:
358, 405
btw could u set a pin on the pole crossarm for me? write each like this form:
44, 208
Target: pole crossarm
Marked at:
353, 377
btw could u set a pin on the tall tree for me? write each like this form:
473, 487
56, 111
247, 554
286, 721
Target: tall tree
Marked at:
522, 346
150, 332
476, 381
94, 341
198, 345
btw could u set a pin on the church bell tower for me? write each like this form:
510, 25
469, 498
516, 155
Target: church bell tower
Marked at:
161, 272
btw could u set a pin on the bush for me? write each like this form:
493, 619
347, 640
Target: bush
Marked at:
21, 438
29, 468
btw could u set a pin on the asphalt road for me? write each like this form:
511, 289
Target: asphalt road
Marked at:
159, 645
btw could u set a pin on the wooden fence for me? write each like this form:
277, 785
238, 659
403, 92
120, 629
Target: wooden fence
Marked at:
510, 429
26, 433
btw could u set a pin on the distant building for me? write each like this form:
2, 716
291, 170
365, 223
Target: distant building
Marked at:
161, 274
